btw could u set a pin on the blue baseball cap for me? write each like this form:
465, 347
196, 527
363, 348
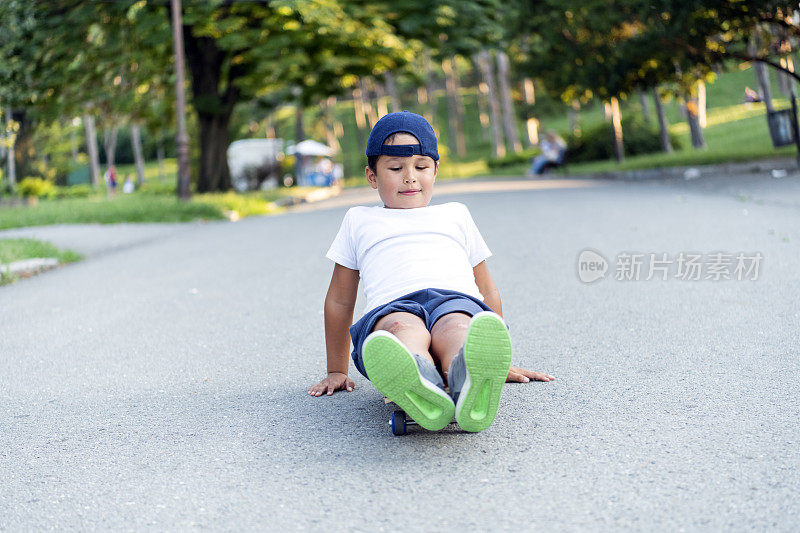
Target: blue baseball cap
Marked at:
403, 122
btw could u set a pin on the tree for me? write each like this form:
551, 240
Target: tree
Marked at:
239, 51
446, 30
17, 70
484, 61
663, 129
72, 58
586, 49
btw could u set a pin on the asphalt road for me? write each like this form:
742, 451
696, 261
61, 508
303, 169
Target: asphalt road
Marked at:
161, 383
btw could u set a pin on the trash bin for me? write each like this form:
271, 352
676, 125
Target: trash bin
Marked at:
780, 127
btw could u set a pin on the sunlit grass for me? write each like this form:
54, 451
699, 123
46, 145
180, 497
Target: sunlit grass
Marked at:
102, 210
716, 116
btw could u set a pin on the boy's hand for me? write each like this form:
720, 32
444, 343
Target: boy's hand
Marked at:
333, 382
520, 375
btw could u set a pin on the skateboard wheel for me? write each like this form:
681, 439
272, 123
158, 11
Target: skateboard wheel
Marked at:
398, 423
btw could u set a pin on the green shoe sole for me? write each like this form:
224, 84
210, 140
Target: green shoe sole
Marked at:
394, 372
487, 355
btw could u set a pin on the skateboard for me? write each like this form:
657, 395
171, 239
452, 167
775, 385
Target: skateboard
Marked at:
400, 421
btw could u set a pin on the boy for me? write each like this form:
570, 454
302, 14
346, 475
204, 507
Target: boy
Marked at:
434, 313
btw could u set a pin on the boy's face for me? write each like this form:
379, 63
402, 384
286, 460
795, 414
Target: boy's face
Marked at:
403, 182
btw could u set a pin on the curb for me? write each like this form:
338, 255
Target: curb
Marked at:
779, 166
29, 266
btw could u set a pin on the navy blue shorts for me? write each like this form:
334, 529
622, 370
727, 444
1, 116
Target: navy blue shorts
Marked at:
428, 304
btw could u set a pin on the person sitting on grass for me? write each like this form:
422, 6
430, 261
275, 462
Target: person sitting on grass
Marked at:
553, 148
434, 314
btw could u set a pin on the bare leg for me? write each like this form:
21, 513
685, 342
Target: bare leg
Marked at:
447, 338
410, 329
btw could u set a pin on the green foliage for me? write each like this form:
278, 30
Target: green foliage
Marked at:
512, 159
74, 191
32, 187
598, 143
583, 49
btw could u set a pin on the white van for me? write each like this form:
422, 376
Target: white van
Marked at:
255, 163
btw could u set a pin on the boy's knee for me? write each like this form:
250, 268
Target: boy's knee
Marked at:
399, 323
451, 322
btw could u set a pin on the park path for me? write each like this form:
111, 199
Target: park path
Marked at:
161, 385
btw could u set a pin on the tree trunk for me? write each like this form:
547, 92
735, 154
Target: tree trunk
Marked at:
455, 111
215, 96
607, 113
179, 40
509, 118
692, 117
73, 141
214, 140
160, 158
269, 128
645, 106
110, 145
790, 66
482, 98
484, 61
330, 123
136, 140
701, 103
663, 127
91, 147
616, 121
762, 76
531, 124
573, 114
12, 164
366, 103
299, 136
783, 78
430, 89
380, 100
358, 109
299, 130
391, 88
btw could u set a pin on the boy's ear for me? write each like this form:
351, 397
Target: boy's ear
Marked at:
370, 174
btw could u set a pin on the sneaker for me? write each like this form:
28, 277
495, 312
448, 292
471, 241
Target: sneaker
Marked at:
479, 371
409, 380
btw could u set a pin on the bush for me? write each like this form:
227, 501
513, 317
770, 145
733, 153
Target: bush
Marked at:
598, 143
83, 190
512, 159
31, 187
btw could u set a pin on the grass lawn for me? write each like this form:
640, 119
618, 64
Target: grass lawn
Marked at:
135, 208
12, 250
146, 207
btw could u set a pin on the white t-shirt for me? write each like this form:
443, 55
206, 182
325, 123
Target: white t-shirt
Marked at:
399, 251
